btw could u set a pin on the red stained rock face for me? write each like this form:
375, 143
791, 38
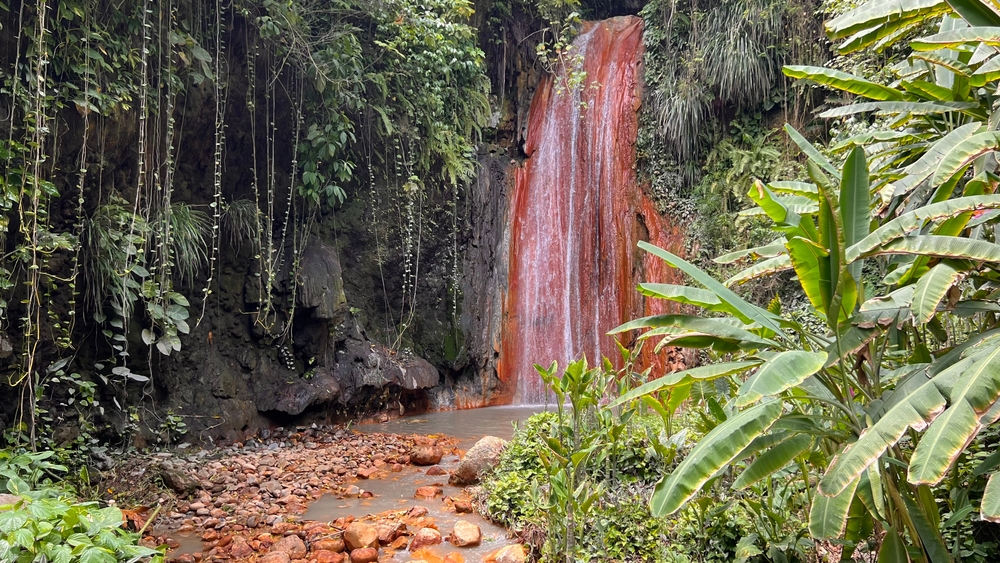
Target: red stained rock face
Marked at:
577, 213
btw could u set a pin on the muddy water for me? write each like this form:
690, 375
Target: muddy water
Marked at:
465, 425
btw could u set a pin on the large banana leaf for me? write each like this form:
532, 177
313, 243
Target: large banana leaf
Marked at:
769, 250
780, 372
686, 295
931, 289
923, 168
855, 204
792, 187
880, 12
990, 509
944, 247
916, 410
760, 269
690, 324
918, 218
686, 377
957, 38
773, 460
988, 72
962, 155
805, 256
766, 319
809, 150
716, 450
828, 514
842, 81
893, 549
977, 12
945, 439
892, 108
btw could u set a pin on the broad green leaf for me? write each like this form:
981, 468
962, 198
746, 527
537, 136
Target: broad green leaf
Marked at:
923, 168
768, 320
797, 204
990, 509
988, 72
893, 549
684, 294
773, 460
954, 65
791, 187
711, 454
855, 203
761, 269
828, 514
915, 408
918, 218
928, 90
811, 151
944, 247
962, 155
879, 12
684, 324
957, 38
946, 438
847, 343
892, 108
712, 371
769, 250
783, 371
927, 531
805, 256
931, 289
843, 81
977, 12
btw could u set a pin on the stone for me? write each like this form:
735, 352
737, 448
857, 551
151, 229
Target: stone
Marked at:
329, 544
426, 455
326, 556
276, 557
508, 554
436, 470
387, 533
359, 535
417, 512
462, 506
364, 555
425, 537
292, 545
465, 534
454, 557
240, 549
427, 492
178, 481
482, 456
366, 473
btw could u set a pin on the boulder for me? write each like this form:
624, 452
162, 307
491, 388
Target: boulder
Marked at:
292, 545
425, 537
465, 534
326, 556
364, 555
427, 492
426, 455
482, 456
329, 544
359, 535
387, 533
508, 554
276, 557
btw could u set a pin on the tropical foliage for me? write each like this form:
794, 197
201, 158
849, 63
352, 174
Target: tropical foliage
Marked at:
892, 240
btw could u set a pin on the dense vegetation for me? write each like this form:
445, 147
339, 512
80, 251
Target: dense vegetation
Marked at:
864, 427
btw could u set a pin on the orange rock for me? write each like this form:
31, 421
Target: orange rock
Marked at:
329, 544
364, 555
427, 492
325, 556
425, 537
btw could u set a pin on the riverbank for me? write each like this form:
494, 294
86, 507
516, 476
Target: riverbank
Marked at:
248, 501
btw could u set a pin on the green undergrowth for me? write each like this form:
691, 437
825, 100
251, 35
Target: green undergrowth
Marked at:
42, 520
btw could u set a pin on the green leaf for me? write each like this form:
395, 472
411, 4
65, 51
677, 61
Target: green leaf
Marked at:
942, 246
957, 38
913, 408
700, 373
892, 108
744, 309
828, 514
975, 391
893, 549
880, 12
805, 256
855, 203
773, 460
923, 168
977, 12
918, 218
769, 250
963, 153
686, 324
783, 371
762, 268
712, 453
811, 151
990, 509
842, 81
931, 289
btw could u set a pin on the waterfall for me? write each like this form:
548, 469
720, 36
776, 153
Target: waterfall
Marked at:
577, 213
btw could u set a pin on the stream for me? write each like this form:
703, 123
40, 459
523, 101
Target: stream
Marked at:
394, 492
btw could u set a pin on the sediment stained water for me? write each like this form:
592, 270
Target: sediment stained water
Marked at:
577, 214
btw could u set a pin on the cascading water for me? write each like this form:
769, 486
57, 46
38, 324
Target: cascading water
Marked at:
577, 214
